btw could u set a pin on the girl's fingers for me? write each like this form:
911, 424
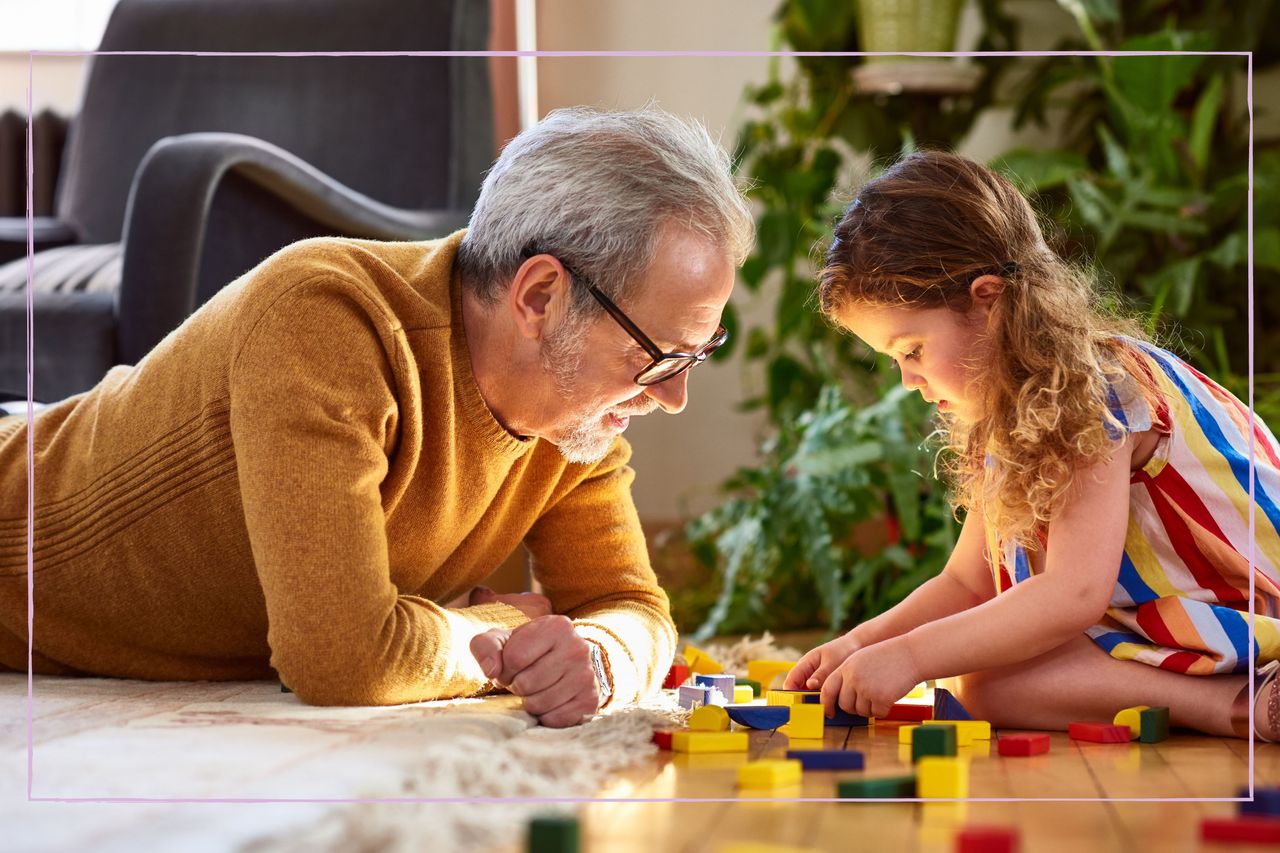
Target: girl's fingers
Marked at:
799, 674
831, 693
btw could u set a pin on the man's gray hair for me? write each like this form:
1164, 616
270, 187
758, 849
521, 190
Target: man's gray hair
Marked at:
595, 189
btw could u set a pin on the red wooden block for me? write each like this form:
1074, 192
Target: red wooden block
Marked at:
1023, 744
662, 739
677, 675
1099, 732
913, 713
987, 839
1250, 828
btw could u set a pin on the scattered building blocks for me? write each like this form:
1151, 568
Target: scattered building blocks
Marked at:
1023, 744
1132, 718
939, 739
828, 759
709, 718
769, 773
759, 716
756, 689
807, 721
885, 787
694, 695
905, 734
905, 712
1266, 801
553, 834
765, 671
742, 694
709, 742
1098, 732
1154, 726
721, 683
939, 776
662, 737
677, 675
948, 707
987, 839
967, 731
700, 662
1247, 828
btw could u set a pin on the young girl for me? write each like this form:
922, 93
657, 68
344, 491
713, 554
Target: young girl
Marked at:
1104, 558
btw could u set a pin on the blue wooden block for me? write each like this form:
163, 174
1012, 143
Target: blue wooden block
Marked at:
693, 695
1266, 801
759, 716
948, 707
722, 683
844, 718
827, 759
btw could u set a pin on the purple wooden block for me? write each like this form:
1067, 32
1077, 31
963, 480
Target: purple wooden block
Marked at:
693, 695
948, 707
722, 684
1266, 801
844, 718
759, 716
827, 759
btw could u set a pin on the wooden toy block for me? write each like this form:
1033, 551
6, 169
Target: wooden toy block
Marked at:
759, 716
284, 689
828, 759
941, 777
756, 847
769, 773
939, 739
885, 787
1023, 744
677, 675
806, 722
1249, 829
553, 834
1266, 801
765, 671
662, 738
948, 707
1099, 732
841, 717
709, 718
700, 662
967, 731
791, 697
721, 683
987, 839
694, 695
709, 742
756, 689
917, 692
908, 713
1132, 718
905, 734
1154, 725
742, 694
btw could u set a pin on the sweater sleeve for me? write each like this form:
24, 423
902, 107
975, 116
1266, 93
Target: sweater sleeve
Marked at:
590, 556
314, 414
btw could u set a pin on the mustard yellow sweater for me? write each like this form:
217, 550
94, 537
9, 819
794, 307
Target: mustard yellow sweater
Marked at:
293, 480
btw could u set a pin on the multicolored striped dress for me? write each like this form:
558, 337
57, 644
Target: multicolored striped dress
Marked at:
1181, 600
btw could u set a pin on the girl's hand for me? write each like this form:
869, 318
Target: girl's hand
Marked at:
871, 679
818, 663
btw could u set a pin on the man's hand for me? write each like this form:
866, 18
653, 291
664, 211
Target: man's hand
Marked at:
818, 663
531, 604
871, 679
546, 663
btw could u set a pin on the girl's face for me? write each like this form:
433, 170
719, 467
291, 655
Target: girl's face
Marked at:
937, 350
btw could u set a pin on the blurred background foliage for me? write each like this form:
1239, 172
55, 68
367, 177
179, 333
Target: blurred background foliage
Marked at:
1148, 184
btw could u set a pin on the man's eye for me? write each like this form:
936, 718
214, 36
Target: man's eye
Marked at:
915, 353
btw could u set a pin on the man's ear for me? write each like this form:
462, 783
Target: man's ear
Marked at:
537, 295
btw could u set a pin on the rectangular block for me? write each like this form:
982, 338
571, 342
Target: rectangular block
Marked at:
553, 834
1250, 828
828, 759
756, 689
939, 739
885, 787
700, 662
1099, 732
844, 718
905, 734
987, 839
967, 731
1266, 801
662, 738
941, 777
678, 674
790, 697
709, 742
1154, 725
765, 671
909, 713
1023, 744
693, 695
807, 721
742, 694
769, 773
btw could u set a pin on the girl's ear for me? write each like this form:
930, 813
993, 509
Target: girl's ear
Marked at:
985, 289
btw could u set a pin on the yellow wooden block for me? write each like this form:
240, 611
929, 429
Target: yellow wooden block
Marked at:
967, 731
917, 692
700, 662
786, 697
743, 694
709, 742
769, 773
904, 734
807, 721
756, 847
765, 671
709, 718
1131, 717
942, 776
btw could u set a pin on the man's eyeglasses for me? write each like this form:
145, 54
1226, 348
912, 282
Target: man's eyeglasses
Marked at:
663, 365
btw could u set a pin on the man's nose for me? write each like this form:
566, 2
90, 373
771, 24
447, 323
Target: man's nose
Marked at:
673, 395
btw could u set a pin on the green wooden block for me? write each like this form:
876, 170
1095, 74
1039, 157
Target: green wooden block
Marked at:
1154, 725
284, 689
932, 740
754, 685
884, 787
553, 834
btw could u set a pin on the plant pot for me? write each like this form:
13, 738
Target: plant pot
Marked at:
908, 25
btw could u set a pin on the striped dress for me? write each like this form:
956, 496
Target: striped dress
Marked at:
1181, 600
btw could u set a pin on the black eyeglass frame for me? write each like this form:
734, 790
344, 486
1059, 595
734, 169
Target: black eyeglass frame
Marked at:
650, 374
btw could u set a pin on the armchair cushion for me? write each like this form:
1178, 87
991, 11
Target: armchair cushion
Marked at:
76, 335
68, 269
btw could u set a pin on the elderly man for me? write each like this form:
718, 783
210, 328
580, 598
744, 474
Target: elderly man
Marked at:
306, 475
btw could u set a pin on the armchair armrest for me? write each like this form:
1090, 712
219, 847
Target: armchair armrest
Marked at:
47, 233
167, 219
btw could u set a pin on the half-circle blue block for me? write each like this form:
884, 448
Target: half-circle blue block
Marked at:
759, 716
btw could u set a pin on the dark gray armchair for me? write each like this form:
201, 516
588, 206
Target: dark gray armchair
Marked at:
182, 172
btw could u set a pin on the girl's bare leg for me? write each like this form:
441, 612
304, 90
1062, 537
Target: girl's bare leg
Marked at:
1079, 681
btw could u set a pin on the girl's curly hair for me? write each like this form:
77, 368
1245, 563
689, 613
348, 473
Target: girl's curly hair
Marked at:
919, 235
